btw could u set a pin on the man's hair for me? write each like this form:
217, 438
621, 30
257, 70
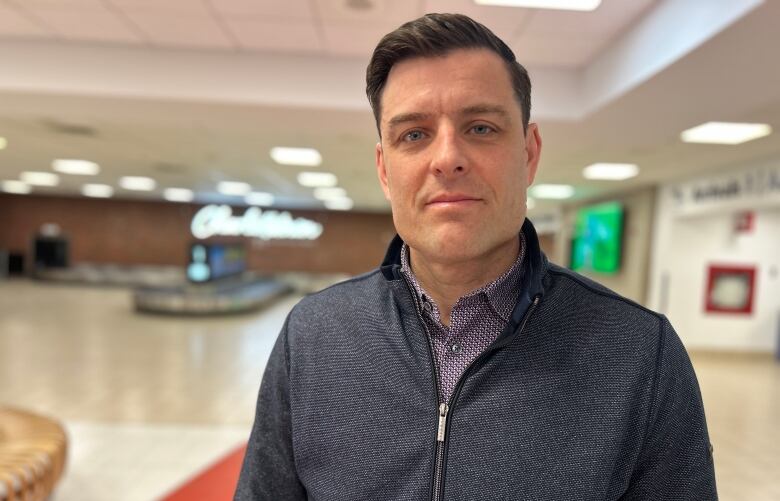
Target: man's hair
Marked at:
436, 35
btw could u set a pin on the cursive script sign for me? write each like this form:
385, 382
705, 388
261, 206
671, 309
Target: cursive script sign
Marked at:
214, 220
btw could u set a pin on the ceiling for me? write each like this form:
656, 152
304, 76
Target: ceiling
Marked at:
191, 92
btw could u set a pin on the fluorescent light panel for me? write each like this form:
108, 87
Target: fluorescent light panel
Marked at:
553, 191
339, 204
40, 178
178, 195
259, 198
725, 133
75, 166
610, 171
95, 190
234, 188
307, 157
17, 187
329, 193
317, 179
581, 5
137, 183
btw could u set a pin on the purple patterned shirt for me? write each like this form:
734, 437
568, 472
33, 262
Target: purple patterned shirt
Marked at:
476, 320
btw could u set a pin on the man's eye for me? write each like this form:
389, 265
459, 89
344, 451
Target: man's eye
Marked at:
482, 130
414, 135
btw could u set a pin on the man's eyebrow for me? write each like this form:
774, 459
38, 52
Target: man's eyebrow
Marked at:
407, 117
484, 108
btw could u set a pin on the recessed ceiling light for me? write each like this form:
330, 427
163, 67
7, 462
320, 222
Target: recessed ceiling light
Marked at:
329, 193
40, 178
582, 5
17, 187
339, 204
554, 191
178, 195
308, 157
233, 188
610, 172
259, 198
75, 166
95, 190
725, 133
137, 183
3, 143
317, 179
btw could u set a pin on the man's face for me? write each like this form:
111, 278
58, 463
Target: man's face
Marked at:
453, 159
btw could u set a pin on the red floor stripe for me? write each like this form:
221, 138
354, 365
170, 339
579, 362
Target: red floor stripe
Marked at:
215, 483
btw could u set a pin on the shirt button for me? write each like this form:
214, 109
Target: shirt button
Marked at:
456, 348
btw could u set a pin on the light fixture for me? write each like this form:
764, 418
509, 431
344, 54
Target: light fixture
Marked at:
16, 187
610, 171
581, 5
137, 183
40, 178
233, 188
3, 143
317, 179
75, 166
95, 190
259, 198
307, 157
329, 193
339, 204
553, 191
178, 195
725, 133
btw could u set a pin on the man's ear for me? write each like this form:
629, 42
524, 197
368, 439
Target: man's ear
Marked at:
533, 151
381, 170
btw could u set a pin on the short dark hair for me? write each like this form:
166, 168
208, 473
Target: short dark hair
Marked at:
436, 35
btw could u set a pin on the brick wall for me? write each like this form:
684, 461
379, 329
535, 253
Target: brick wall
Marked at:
141, 232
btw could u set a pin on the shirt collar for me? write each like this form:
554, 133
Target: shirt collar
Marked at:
501, 294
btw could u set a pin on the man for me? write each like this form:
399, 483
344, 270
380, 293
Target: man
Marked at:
467, 367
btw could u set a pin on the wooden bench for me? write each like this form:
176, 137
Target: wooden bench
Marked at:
32, 455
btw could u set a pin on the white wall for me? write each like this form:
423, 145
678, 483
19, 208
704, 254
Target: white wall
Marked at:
684, 245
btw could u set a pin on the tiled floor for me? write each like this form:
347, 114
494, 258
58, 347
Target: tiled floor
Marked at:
149, 400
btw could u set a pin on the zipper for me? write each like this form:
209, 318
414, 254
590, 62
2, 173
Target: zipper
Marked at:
445, 410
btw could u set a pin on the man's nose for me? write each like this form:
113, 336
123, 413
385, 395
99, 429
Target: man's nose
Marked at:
448, 153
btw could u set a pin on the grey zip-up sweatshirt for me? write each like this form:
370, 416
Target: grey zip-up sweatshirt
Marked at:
584, 396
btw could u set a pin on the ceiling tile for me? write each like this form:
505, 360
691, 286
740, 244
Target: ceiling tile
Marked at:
194, 8
559, 51
390, 12
14, 24
288, 9
354, 40
290, 36
173, 30
94, 23
610, 18
505, 22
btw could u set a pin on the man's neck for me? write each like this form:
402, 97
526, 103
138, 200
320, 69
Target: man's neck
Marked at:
446, 282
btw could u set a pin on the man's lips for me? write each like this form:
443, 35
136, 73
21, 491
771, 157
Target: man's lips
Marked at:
452, 199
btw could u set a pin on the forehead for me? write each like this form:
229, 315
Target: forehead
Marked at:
458, 78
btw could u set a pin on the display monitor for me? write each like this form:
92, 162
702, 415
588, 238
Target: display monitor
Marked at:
598, 236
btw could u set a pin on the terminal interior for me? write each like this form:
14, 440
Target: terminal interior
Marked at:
175, 176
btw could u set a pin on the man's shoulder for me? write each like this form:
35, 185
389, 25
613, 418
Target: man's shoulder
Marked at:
361, 293
578, 293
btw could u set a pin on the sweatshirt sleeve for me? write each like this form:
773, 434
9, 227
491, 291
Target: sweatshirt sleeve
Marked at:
268, 472
676, 461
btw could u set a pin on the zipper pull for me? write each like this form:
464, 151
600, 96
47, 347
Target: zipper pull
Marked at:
443, 408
